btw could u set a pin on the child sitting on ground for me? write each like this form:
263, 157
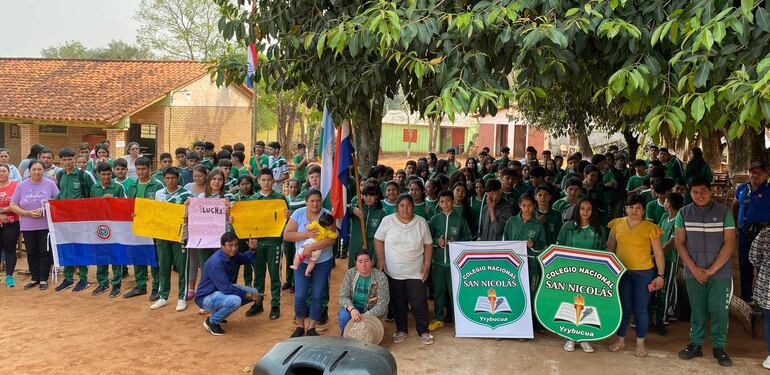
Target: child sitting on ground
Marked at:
324, 226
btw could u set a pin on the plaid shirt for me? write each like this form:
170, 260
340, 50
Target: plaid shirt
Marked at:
759, 255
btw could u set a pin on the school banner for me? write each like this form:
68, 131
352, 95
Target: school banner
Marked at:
578, 293
159, 220
260, 218
206, 219
490, 285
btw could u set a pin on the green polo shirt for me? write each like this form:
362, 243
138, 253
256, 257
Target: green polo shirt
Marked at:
300, 174
178, 197
69, 184
423, 210
125, 182
452, 227
517, 229
635, 181
113, 188
654, 211
145, 190
270, 241
208, 163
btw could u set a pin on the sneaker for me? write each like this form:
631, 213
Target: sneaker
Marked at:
115, 291
99, 290
766, 363
285, 286
214, 329
691, 351
721, 356
275, 312
135, 292
9, 281
43, 285
435, 324
66, 284
31, 284
426, 338
324, 318
158, 304
586, 346
298, 332
190, 294
312, 332
569, 346
254, 309
81, 286
181, 305
154, 295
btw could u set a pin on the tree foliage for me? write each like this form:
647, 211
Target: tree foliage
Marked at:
180, 29
115, 50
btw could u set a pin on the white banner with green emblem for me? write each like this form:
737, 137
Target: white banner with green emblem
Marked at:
490, 288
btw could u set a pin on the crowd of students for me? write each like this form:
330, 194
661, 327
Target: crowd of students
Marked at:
655, 213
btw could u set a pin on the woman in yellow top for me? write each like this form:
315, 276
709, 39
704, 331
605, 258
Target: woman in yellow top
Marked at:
631, 238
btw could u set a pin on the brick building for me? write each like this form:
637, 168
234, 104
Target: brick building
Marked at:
159, 104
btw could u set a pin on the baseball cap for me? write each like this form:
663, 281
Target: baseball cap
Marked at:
757, 164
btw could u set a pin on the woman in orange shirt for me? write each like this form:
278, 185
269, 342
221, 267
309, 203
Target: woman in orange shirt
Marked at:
631, 238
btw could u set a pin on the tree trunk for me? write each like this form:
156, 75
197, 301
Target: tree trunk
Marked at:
712, 150
743, 150
431, 135
632, 142
367, 127
301, 119
289, 135
585, 145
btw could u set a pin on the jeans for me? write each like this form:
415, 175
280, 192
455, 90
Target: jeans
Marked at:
316, 284
767, 329
9, 236
221, 305
745, 267
634, 297
344, 317
405, 295
38, 256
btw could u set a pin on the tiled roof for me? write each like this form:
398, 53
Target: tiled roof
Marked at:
90, 91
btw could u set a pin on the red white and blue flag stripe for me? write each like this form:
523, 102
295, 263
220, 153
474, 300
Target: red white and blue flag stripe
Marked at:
343, 159
593, 256
486, 256
251, 56
96, 231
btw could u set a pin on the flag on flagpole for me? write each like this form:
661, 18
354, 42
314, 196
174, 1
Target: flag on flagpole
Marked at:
327, 154
251, 59
96, 231
343, 159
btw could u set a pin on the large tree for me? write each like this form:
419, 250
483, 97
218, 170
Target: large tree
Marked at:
115, 50
180, 29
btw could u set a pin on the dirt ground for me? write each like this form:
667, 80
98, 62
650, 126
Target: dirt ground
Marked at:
65, 332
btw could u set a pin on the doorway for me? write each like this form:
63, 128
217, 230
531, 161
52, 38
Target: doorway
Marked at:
145, 135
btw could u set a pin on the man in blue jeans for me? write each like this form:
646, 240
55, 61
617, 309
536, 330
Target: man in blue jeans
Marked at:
216, 293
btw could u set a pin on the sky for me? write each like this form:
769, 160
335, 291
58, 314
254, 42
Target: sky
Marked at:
28, 26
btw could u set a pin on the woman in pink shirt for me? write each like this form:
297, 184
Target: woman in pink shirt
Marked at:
9, 224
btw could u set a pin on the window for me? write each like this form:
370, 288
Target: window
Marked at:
53, 129
148, 131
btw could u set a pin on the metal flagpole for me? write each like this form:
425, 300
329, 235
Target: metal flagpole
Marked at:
358, 189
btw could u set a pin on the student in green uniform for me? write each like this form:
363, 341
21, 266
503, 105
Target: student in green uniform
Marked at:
295, 202
102, 154
417, 191
634, 185
145, 186
107, 188
574, 192
706, 254
245, 193
200, 148
431, 194
278, 166
372, 214
504, 159
697, 166
654, 211
300, 164
165, 162
258, 158
391, 193
584, 230
593, 188
548, 217
73, 183
268, 253
445, 227
476, 202
239, 169
170, 252
452, 163
461, 204
120, 169
663, 300
181, 157
231, 183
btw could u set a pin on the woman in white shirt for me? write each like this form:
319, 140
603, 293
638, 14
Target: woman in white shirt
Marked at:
403, 240
133, 154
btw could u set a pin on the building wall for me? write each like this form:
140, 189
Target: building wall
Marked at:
205, 93
392, 139
14, 146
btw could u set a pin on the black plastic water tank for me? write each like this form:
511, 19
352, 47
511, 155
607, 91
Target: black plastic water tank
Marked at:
325, 355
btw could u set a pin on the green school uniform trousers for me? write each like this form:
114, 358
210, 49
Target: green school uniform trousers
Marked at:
69, 188
268, 259
452, 227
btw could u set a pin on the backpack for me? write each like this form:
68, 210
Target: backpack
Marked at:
84, 191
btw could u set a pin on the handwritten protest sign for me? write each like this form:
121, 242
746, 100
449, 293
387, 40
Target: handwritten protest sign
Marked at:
206, 222
160, 220
261, 218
